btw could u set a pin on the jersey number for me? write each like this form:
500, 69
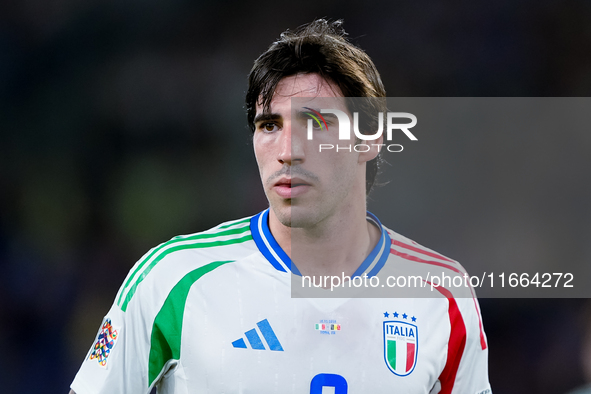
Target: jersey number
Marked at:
328, 380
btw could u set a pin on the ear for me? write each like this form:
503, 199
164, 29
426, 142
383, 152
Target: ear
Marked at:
375, 146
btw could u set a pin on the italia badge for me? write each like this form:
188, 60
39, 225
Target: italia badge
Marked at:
401, 343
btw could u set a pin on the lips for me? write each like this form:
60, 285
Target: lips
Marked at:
291, 187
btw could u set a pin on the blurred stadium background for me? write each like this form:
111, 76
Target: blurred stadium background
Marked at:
122, 125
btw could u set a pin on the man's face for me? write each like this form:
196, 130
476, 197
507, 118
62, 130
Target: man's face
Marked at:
305, 186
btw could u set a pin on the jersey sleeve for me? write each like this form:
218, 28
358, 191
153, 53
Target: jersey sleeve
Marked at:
466, 369
118, 358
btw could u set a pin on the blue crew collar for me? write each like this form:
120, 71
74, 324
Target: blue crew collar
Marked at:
268, 246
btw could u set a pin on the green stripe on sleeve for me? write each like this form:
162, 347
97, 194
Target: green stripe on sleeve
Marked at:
171, 242
235, 223
165, 343
173, 249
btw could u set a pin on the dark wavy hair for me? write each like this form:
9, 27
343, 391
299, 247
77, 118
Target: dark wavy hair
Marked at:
321, 47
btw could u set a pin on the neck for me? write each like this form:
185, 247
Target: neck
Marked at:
334, 246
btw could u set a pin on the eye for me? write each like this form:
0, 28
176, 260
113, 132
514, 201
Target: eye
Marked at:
315, 124
314, 121
268, 127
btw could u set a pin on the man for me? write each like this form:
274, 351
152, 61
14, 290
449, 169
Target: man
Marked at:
212, 312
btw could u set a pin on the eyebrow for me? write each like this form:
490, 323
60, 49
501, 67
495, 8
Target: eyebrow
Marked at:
300, 114
266, 116
303, 113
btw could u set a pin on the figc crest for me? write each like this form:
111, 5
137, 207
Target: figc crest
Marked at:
401, 346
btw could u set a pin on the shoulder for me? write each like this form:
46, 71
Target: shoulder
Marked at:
412, 251
445, 278
415, 257
439, 275
165, 265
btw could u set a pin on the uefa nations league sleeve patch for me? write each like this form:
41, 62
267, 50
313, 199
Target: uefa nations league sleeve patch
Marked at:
105, 342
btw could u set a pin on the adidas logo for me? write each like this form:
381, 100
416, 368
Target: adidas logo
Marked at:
254, 338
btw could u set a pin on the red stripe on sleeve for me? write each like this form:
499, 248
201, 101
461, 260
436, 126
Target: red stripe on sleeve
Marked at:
437, 263
422, 251
455, 345
420, 260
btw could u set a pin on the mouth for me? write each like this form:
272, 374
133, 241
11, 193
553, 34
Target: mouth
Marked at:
291, 187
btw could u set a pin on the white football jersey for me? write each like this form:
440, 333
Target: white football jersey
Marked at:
212, 312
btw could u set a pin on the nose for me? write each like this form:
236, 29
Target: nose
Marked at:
292, 146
